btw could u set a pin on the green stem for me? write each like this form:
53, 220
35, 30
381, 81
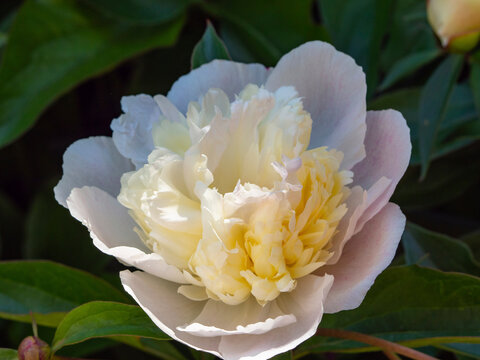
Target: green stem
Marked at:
386, 346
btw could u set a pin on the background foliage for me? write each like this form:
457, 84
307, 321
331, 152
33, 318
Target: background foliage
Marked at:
65, 64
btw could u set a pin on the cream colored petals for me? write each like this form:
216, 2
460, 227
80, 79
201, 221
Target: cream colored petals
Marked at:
197, 196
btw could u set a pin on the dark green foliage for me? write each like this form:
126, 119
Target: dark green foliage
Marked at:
67, 63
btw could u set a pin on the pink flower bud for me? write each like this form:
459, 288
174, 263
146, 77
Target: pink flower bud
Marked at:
33, 348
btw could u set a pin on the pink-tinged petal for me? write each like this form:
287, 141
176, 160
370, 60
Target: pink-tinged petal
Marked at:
364, 257
91, 162
361, 204
333, 89
388, 150
132, 131
355, 208
167, 308
229, 76
111, 229
246, 318
305, 302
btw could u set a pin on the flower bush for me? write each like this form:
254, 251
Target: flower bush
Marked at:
252, 200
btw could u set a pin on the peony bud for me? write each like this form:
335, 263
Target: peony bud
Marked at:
33, 348
456, 22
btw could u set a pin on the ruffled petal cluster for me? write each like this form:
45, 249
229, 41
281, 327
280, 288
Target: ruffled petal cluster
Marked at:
251, 200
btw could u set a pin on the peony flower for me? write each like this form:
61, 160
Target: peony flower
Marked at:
456, 22
251, 200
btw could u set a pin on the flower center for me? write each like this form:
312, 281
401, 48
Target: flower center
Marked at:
233, 198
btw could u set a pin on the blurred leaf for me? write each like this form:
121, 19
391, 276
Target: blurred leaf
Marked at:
409, 32
144, 12
85, 348
407, 66
8, 354
270, 30
470, 350
459, 128
3, 39
358, 28
159, 348
54, 45
48, 290
53, 234
433, 104
447, 179
410, 304
104, 319
475, 81
473, 241
210, 47
431, 249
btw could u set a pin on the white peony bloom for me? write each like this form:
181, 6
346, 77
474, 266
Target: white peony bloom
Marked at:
253, 200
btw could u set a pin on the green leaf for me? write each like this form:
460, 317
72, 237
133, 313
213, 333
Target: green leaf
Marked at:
433, 104
358, 28
159, 348
3, 39
459, 128
104, 319
53, 234
48, 290
276, 27
8, 354
470, 350
144, 12
407, 66
56, 44
473, 241
210, 47
431, 249
447, 179
413, 305
475, 81
409, 33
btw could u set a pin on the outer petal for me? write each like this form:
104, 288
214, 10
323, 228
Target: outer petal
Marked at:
229, 76
306, 302
218, 318
91, 162
167, 308
333, 89
388, 152
132, 131
111, 229
364, 257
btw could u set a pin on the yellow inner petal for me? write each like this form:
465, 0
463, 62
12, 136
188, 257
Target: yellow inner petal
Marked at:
239, 205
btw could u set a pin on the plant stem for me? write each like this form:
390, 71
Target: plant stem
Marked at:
386, 346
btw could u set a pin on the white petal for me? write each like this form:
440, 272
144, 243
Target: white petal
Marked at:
355, 208
305, 302
167, 308
333, 89
132, 131
111, 229
362, 206
91, 162
229, 76
217, 319
364, 257
388, 152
